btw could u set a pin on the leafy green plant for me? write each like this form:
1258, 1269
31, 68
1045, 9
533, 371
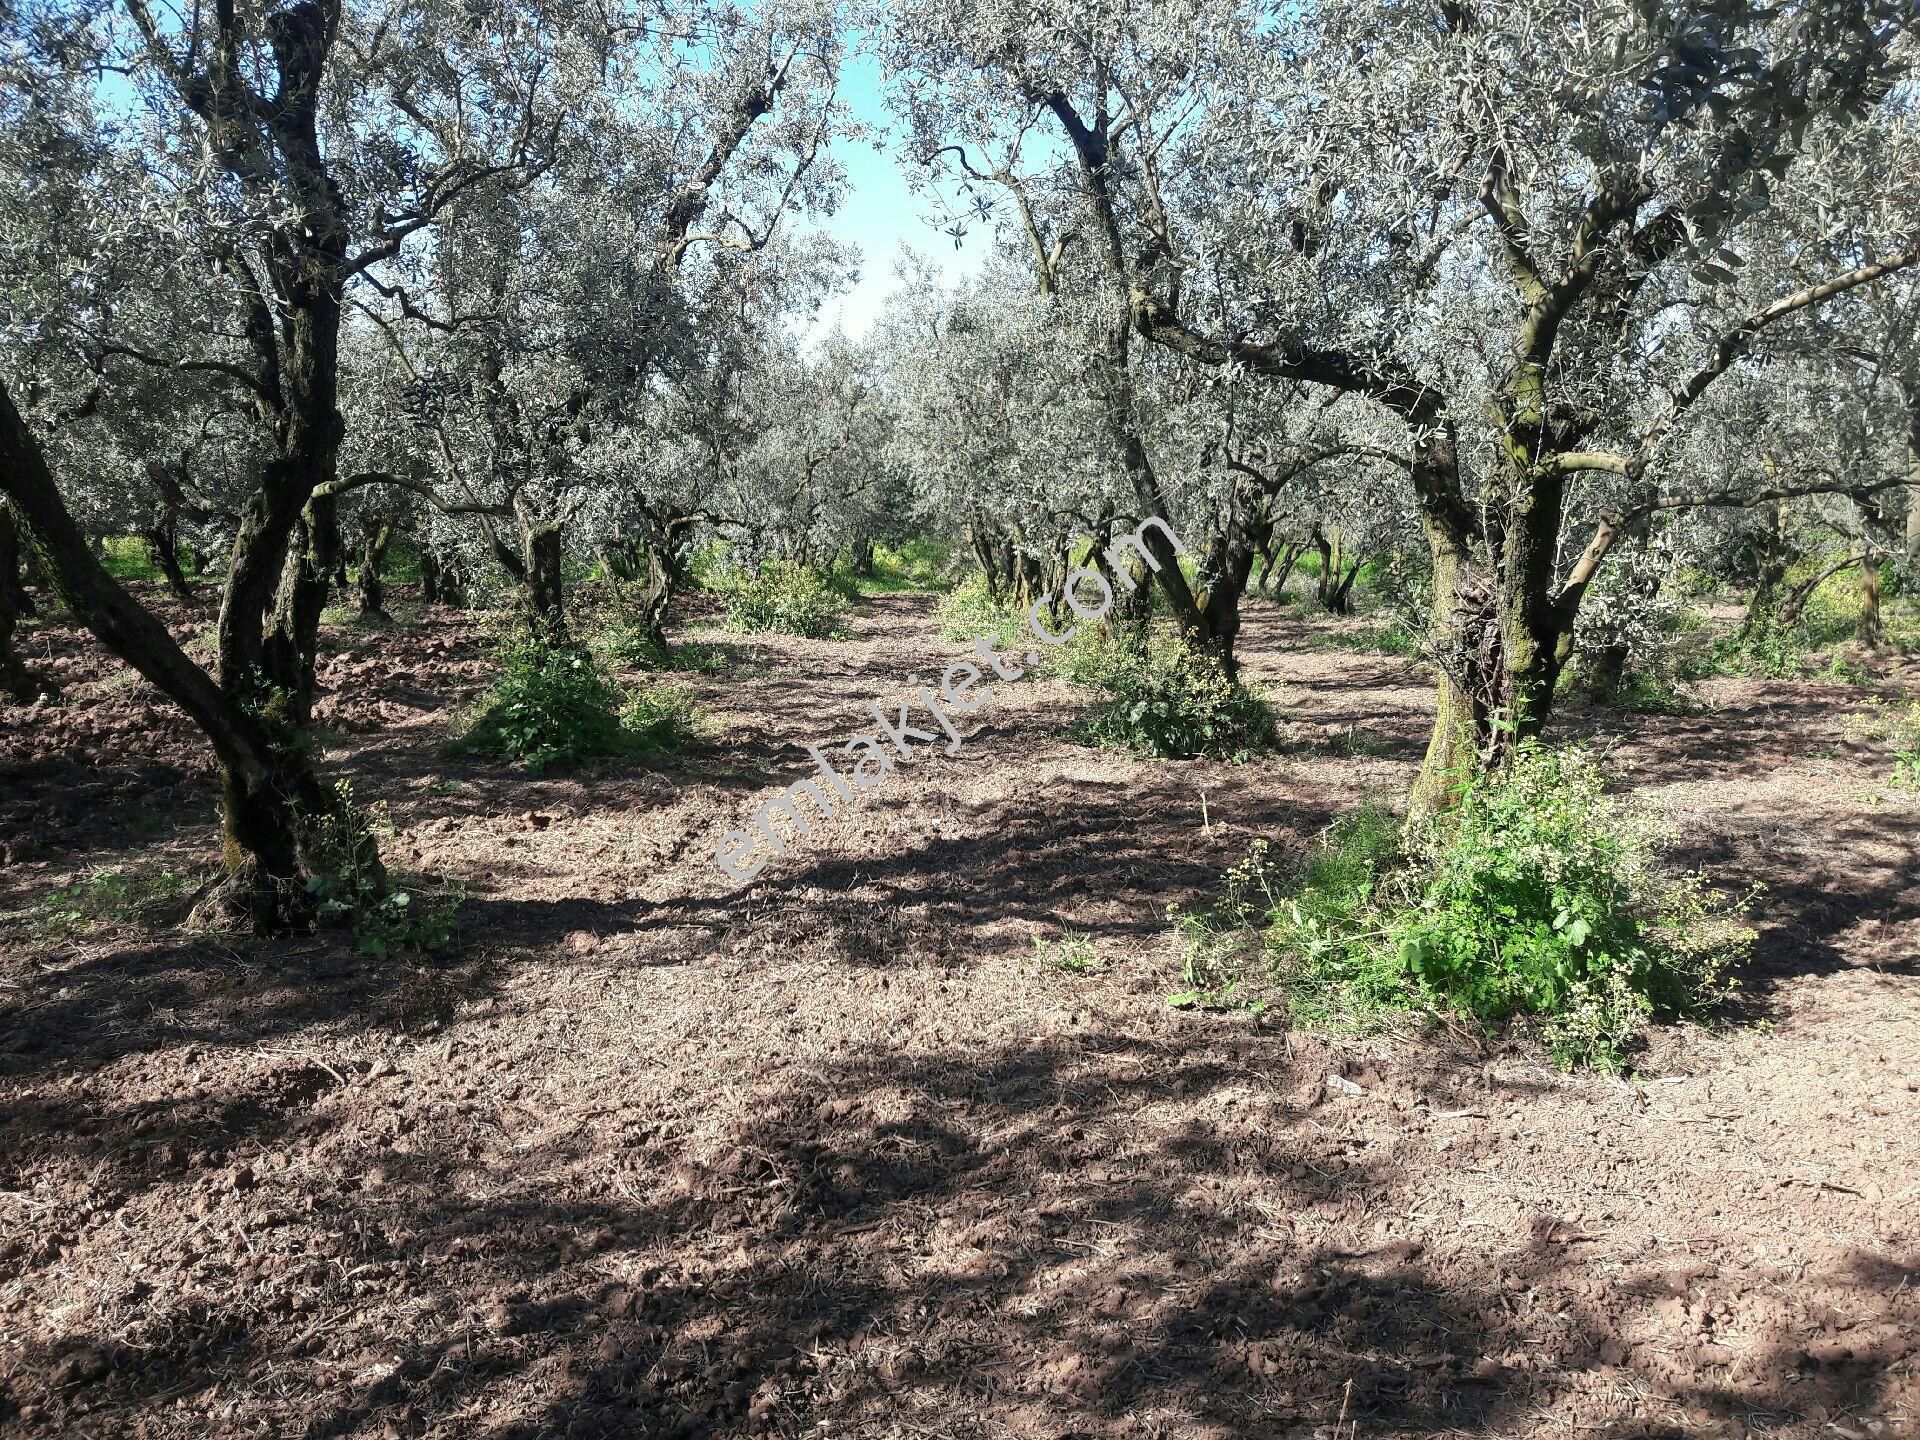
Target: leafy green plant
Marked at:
1071, 954
1222, 966
1092, 654
786, 599
350, 888
1843, 670
554, 705
1540, 899
1172, 700
1536, 899
1325, 932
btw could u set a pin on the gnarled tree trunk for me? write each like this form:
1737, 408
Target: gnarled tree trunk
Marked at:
272, 800
374, 541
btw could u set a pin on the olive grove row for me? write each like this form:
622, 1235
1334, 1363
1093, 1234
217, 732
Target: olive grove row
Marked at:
1516, 290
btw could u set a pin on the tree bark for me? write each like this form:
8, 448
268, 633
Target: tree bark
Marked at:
16, 682
546, 578
1869, 629
374, 541
164, 545
1770, 564
271, 796
292, 646
1465, 635
15, 552
1287, 554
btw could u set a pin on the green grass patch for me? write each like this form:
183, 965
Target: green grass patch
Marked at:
966, 613
1070, 954
127, 559
1380, 637
915, 565
111, 896
623, 645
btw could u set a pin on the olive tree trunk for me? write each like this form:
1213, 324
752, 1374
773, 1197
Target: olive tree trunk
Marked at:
374, 543
271, 797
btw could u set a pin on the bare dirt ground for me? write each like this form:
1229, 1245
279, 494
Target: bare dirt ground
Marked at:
835, 1154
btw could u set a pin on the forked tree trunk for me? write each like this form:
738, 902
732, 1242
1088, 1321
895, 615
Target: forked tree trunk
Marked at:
163, 544
863, 559
1287, 554
1770, 564
1795, 604
439, 578
1329, 562
1230, 568
292, 646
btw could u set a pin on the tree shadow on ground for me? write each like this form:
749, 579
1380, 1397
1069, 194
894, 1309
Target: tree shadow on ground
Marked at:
949, 1243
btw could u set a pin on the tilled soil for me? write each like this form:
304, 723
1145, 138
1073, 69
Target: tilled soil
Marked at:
840, 1152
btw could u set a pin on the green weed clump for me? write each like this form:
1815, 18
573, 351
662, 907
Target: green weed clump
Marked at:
1094, 654
1767, 650
966, 612
1539, 897
786, 599
630, 645
555, 706
1537, 900
1172, 700
351, 890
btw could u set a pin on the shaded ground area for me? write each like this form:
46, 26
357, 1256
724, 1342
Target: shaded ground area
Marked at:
840, 1153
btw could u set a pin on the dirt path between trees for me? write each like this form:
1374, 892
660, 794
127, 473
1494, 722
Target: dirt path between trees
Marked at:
837, 1154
